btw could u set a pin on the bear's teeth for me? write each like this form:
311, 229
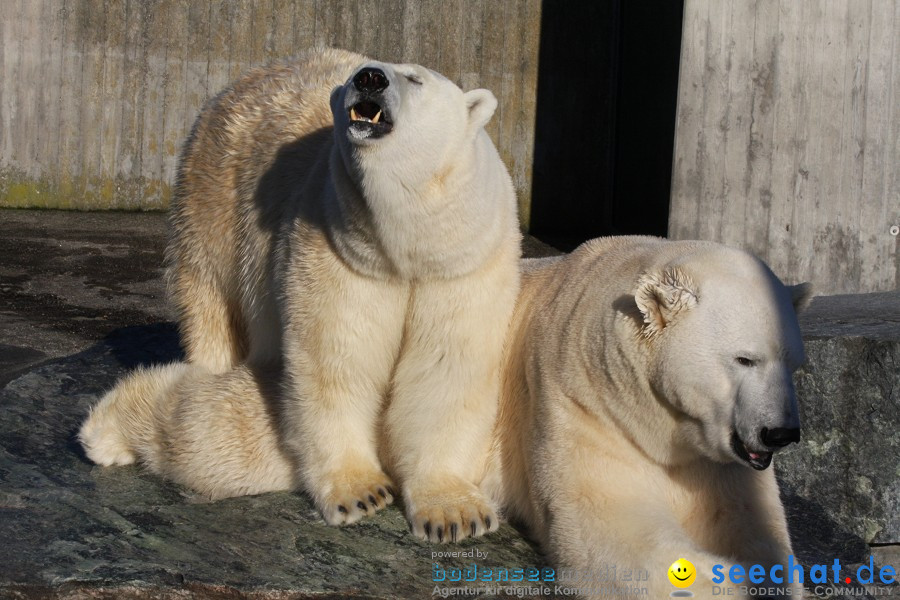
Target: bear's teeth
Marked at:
377, 117
353, 115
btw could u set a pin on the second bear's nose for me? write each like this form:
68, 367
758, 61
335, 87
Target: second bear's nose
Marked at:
779, 437
370, 80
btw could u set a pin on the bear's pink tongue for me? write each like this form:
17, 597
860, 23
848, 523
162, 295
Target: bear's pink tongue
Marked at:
754, 455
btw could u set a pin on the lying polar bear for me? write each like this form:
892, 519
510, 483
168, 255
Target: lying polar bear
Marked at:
646, 386
351, 219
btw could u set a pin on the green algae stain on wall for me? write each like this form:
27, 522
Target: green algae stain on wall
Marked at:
17, 190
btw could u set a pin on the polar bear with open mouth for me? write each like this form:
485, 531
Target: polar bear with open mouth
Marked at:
348, 224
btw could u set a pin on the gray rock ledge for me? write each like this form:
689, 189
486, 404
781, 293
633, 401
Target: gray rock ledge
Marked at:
82, 304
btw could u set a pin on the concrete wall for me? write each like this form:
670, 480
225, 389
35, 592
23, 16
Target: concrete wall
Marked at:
96, 96
788, 136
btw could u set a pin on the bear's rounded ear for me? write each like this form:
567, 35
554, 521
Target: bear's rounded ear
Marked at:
661, 297
801, 295
481, 105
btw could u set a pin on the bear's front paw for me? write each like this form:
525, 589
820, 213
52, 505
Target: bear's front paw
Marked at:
450, 513
354, 496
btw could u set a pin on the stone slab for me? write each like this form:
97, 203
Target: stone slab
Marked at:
82, 303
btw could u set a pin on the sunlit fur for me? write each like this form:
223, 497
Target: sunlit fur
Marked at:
599, 446
621, 391
380, 274
598, 449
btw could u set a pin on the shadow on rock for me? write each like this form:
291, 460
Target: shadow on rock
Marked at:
43, 407
145, 345
816, 538
69, 522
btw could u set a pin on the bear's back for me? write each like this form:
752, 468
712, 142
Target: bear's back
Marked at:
269, 111
252, 146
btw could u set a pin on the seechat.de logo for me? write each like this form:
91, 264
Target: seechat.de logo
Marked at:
682, 574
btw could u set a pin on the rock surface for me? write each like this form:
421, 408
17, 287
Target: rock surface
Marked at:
844, 476
68, 279
81, 303
848, 464
70, 523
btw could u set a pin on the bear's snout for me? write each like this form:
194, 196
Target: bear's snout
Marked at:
369, 104
370, 80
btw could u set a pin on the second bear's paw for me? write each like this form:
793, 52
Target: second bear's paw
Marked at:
352, 497
450, 513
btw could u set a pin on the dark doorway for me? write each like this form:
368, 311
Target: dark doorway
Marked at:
606, 99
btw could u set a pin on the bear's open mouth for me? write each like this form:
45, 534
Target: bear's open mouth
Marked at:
370, 119
758, 460
365, 111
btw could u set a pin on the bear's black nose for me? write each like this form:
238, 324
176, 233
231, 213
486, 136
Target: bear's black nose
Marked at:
370, 80
779, 437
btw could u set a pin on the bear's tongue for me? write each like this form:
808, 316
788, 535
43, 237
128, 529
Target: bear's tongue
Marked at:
365, 111
758, 460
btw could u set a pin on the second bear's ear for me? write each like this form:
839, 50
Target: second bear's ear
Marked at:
801, 295
481, 105
661, 297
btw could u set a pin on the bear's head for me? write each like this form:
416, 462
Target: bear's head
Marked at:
406, 122
725, 342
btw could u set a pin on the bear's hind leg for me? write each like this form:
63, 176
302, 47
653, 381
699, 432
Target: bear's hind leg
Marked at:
210, 322
122, 427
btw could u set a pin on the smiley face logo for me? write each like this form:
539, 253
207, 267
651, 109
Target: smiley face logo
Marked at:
682, 573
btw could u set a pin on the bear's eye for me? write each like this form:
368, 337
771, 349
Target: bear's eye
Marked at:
745, 362
414, 79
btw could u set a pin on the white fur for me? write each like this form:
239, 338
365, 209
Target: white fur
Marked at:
621, 395
380, 271
608, 444
215, 433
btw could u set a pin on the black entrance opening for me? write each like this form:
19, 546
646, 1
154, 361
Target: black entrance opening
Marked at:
605, 127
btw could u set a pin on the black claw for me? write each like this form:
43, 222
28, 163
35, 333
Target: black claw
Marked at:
428, 529
342, 509
372, 501
487, 522
360, 505
474, 527
382, 493
392, 492
454, 530
440, 533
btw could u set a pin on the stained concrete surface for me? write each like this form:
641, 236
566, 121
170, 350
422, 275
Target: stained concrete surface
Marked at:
69, 279
82, 302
